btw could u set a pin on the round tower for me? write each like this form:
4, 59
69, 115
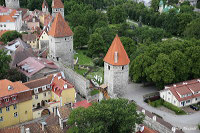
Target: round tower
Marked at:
116, 68
57, 7
14, 4
61, 41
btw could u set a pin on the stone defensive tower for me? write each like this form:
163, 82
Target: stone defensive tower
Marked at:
116, 68
14, 4
57, 6
45, 7
61, 41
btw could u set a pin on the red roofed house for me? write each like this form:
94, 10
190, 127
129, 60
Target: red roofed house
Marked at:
182, 94
45, 7
144, 129
61, 41
35, 68
57, 7
10, 19
116, 68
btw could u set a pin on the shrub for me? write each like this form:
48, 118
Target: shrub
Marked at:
156, 103
94, 92
177, 110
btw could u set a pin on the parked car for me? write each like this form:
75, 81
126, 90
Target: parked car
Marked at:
194, 107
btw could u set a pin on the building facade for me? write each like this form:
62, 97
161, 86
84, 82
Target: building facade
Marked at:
116, 68
45, 7
182, 94
57, 7
61, 41
10, 19
15, 103
14, 4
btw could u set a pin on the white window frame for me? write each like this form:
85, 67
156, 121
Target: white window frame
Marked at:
1, 118
15, 114
36, 96
36, 90
44, 88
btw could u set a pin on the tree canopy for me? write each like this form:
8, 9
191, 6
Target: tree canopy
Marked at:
9, 36
108, 116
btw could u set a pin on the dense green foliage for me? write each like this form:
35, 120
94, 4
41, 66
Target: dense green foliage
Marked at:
6, 72
108, 116
166, 62
9, 36
170, 106
81, 37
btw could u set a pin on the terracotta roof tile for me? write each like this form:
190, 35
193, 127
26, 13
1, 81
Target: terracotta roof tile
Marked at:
83, 103
6, 18
64, 112
57, 4
118, 48
13, 129
16, 87
147, 130
60, 27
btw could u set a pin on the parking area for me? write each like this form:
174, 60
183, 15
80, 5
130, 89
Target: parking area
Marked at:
189, 110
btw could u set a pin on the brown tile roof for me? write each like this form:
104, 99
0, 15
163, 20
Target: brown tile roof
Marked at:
54, 129
118, 47
14, 129
44, 4
57, 4
64, 112
5, 18
39, 82
35, 127
17, 87
52, 120
29, 37
60, 27
185, 88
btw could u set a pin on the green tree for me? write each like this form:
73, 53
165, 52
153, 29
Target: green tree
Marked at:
198, 4
193, 29
116, 14
161, 72
183, 20
155, 5
108, 116
96, 45
129, 45
81, 36
9, 36
4, 63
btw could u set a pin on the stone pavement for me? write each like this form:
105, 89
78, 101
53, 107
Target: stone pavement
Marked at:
188, 123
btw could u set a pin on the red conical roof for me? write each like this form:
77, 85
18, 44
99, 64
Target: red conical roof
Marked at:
57, 4
122, 57
60, 27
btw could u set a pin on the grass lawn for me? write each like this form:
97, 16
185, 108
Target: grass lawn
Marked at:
80, 71
170, 106
82, 58
94, 92
99, 72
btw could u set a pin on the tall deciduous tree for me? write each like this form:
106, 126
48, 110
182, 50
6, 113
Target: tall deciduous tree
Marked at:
81, 36
4, 63
108, 116
193, 29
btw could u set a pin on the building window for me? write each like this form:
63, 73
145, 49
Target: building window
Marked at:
108, 67
36, 90
14, 98
4, 25
15, 114
196, 99
8, 108
0, 110
169, 93
7, 100
15, 106
174, 101
122, 67
44, 94
188, 101
168, 99
1, 118
49, 93
36, 96
44, 88
33, 105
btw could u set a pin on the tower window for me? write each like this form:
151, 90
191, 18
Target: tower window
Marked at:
108, 67
122, 67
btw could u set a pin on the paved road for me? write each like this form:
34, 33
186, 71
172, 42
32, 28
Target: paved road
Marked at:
187, 122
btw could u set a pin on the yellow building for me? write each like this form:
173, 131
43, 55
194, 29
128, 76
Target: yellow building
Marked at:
43, 39
31, 39
15, 103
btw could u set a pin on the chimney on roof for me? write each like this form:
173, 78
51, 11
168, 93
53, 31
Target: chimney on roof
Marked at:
27, 130
43, 125
116, 57
198, 80
174, 85
184, 83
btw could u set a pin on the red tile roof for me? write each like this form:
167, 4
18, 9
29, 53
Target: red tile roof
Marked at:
44, 4
8, 18
29, 37
57, 4
58, 84
16, 87
64, 112
185, 88
60, 27
118, 47
147, 130
83, 103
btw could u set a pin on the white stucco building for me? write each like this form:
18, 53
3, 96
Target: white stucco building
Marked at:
116, 68
10, 19
182, 94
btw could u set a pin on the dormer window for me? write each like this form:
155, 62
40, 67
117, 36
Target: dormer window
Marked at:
6, 100
44, 88
65, 86
36, 90
10, 87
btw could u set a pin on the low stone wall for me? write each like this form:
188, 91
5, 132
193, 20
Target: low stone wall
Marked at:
82, 84
158, 124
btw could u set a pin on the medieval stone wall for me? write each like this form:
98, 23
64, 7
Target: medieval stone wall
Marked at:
12, 4
56, 10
